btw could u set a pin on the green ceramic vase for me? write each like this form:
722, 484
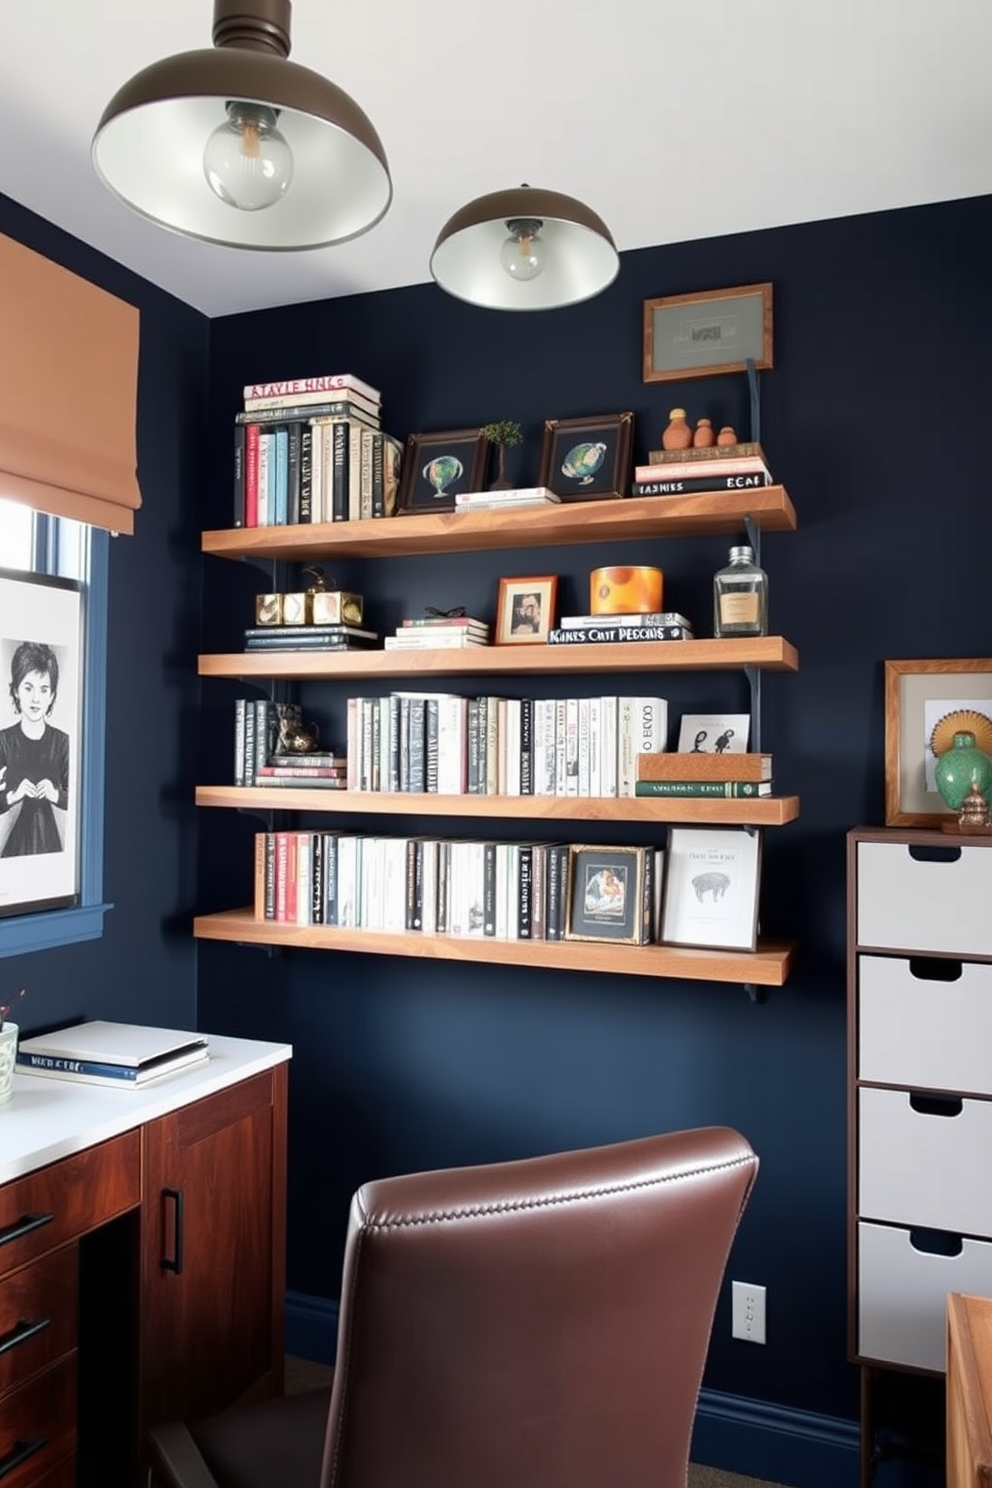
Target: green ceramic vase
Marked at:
960, 766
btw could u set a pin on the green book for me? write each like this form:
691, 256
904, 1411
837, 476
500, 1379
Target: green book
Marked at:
732, 788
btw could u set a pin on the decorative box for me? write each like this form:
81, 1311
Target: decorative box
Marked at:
296, 609
268, 609
335, 607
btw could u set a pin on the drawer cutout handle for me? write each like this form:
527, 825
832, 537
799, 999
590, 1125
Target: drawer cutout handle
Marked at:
935, 968
936, 1242
925, 854
24, 1226
936, 1105
20, 1452
21, 1332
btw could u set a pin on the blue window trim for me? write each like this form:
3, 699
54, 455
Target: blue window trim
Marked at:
84, 921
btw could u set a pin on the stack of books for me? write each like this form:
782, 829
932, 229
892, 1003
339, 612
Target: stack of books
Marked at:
430, 633
738, 776
732, 467
663, 625
310, 638
313, 450
120, 1054
320, 769
514, 500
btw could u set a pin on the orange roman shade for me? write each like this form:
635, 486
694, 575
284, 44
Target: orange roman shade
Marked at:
68, 392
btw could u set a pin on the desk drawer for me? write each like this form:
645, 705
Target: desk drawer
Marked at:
925, 1169
924, 1032
38, 1427
57, 1203
912, 904
902, 1295
38, 1315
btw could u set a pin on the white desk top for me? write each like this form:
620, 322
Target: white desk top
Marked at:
47, 1119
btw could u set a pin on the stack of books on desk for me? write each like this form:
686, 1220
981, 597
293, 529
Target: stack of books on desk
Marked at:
319, 769
100, 1053
664, 625
445, 631
738, 776
735, 467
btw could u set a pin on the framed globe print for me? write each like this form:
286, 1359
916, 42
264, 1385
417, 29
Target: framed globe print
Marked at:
438, 467
587, 459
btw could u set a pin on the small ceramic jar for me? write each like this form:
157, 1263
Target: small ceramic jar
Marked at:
677, 435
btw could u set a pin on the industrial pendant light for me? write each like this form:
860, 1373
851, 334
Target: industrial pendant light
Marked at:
524, 249
237, 145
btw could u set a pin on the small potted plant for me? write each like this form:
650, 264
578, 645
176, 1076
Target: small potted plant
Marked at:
503, 433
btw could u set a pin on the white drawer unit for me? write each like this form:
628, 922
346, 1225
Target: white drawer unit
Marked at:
919, 1094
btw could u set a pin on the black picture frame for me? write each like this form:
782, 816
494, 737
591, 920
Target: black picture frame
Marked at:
606, 894
589, 479
419, 494
41, 617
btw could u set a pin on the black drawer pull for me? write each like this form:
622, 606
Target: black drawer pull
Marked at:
935, 968
21, 1332
936, 1242
936, 1105
925, 854
20, 1452
24, 1226
175, 1261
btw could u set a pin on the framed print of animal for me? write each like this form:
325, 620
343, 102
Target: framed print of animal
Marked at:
710, 896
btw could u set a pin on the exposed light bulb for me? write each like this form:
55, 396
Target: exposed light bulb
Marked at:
247, 162
522, 255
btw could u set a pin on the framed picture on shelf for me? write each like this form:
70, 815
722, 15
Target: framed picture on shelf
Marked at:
714, 733
587, 459
704, 335
525, 610
926, 703
41, 679
438, 467
606, 894
710, 896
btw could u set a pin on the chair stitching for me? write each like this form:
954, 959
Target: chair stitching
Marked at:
519, 1205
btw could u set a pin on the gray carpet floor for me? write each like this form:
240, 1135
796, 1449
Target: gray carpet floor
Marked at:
303, 1375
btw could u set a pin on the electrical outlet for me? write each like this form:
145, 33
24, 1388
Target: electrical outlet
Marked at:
748, 1311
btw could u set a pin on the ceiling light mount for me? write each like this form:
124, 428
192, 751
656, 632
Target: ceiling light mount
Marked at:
320, 177
558, 252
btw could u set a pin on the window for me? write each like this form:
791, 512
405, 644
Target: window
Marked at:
33, 542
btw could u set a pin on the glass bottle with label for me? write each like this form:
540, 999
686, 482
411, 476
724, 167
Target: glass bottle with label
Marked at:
740, 596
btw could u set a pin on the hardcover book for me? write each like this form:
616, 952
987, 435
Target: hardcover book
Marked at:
688, 766
105, 1053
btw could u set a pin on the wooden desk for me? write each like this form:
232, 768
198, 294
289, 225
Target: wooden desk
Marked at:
969, 1391
142, 1260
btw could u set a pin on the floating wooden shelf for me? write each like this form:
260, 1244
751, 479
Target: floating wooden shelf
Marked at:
768, 966
706, 513
769, 653
768, 811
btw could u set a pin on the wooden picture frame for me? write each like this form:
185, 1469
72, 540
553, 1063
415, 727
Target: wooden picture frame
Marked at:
427, 486
587, 459
918, 696
525, 610
41, 706
705, 335
710, 897
606, 894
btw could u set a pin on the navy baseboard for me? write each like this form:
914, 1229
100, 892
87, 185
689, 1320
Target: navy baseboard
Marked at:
752, 1437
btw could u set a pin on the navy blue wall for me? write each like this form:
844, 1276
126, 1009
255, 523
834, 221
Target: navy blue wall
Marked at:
143, 970
873, 417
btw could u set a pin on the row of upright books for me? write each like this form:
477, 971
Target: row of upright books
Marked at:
313, 450
453, 745
435, 886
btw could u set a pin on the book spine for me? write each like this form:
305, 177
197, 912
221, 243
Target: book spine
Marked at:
417, 759
431, 741
93, 1068
259, 878
280, 444
731, 789
595, 782
749, 449
365, 476
490, 871
537, 894
571, 746
584, 728
270, 875
238, 519
688, 766
646, 928
319, 435
278, 411
595, 635
310, 386
265, 463
302, 772
688, 486
240, 708
316, 878
293, 433
492, 785
249, 759
473, 741
304, 871
608, 750
252, 434
306, 473
694, 470
378, 491
354, 470
557, 883
339, 473
525, 889
414, 884
526, 746
627, 735
330, 878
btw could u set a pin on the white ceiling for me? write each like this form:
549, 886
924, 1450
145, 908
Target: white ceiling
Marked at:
673, 121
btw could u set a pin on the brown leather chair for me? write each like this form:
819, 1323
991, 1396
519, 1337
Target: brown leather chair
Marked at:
533, 1324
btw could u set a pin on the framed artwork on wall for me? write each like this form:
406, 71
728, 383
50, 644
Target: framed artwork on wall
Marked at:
926, 702
711, 888
704, 335
525, 610
587, 459
438, 467
41, 687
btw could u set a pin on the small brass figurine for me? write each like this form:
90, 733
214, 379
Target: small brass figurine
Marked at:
974, 814
297, 738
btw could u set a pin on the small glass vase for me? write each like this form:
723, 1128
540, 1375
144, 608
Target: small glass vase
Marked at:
961, 766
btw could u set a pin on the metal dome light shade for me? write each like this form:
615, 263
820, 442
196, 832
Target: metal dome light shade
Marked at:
577, 258
148, 149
